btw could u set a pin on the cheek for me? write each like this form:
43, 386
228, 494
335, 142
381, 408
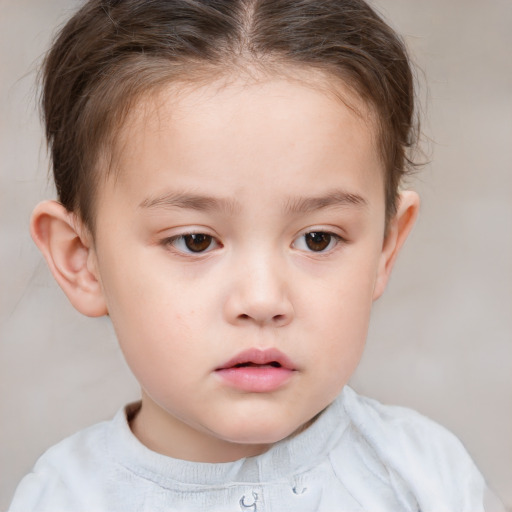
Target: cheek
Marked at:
339, 314
153, 316
345, 298
161, 345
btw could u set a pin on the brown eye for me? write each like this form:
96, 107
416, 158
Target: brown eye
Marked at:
318, 241
197, 242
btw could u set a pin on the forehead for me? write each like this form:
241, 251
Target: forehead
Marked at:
239, 131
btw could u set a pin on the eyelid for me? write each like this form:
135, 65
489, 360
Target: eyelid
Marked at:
339, 240
170, 243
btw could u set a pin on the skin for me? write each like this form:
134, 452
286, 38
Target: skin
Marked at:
255, 167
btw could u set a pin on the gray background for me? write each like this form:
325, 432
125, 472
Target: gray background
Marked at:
440, 339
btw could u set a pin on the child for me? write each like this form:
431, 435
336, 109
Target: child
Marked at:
228, 175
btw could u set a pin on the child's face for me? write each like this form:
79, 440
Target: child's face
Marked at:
245, 226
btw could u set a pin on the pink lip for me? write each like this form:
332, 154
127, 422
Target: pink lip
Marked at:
257, 371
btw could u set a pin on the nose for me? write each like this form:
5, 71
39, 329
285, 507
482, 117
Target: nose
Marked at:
259, 293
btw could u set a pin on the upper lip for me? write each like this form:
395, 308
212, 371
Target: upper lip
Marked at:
259, 357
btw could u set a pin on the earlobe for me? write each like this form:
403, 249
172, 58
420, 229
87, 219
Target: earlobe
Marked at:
67, 248
398, 230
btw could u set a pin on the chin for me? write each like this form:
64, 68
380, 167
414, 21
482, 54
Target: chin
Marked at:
257, 432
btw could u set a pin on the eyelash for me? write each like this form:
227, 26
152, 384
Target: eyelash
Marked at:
333, 241
174, 240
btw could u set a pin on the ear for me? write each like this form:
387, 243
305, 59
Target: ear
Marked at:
398, 230
68, 249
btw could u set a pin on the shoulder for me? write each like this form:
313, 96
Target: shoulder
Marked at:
398, 424
63, 476
419, 456
400, 433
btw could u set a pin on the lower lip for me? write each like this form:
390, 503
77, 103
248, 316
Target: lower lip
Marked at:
254, 379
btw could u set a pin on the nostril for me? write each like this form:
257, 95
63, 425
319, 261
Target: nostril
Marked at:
272, 317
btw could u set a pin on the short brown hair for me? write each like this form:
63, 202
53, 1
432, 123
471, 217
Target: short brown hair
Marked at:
111, 52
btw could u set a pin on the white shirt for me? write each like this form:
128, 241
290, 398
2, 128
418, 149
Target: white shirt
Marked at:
359, 455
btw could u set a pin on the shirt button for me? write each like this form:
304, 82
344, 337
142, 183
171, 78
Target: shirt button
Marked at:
249, 503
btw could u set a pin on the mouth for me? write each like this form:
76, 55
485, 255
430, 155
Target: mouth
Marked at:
257, 371
256, 358
250, 364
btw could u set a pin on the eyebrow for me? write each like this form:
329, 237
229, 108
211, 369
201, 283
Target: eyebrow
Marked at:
293, 205
191, 202
333, 199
